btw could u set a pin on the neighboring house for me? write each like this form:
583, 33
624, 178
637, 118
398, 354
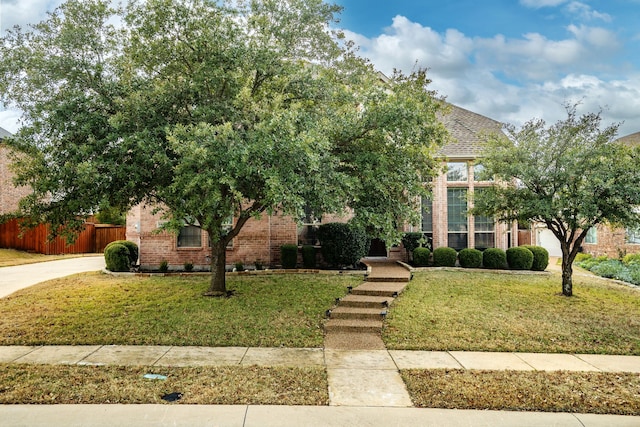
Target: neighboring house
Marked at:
600, 240
10, 195
445, 221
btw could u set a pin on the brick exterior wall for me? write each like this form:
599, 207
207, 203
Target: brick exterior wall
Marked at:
611, 242
10, 195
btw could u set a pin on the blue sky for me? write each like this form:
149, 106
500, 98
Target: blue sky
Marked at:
511, 60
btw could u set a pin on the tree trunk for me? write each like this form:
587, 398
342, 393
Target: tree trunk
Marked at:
567, 272
218, 285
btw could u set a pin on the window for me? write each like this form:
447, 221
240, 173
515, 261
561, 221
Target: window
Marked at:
592, 236
457, 217
457, 172
427, 221
308, 228
484, 231
633, 236
190, 236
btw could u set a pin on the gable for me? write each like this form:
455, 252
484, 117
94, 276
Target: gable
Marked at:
467, 130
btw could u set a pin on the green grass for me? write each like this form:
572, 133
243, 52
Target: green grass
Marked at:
581, 392
458, 310
266, 311
231, 385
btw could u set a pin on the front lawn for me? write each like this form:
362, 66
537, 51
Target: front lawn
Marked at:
95, 308
10, 257
484, 311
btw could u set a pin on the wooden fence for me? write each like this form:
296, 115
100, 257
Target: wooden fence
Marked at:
92, 239
524, 237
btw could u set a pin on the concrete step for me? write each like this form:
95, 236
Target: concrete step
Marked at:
358, 313
365, 301
353, 325
399, 279
383, 289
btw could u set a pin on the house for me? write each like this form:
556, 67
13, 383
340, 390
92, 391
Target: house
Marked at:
445, 221
600, 240
10, 195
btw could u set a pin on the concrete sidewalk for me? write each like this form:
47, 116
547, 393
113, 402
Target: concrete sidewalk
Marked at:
18, 277
289, 416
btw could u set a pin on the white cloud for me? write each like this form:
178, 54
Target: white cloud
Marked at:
24, 12
513, 80
585, 12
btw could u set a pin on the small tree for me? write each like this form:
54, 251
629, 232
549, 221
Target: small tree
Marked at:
570, 176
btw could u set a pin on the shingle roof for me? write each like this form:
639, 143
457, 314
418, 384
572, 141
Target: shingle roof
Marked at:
633, 139
4, 133
467, 130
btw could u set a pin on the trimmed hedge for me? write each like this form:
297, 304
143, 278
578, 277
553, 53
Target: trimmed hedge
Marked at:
494, 258
540, 257
421, 257
117, 257
470, 258
289, 255
133, 249
309, 256
519, 258
444, 257
342, 244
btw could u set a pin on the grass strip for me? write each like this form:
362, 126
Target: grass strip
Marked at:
576, 392
251, 385
94, 308
483, 311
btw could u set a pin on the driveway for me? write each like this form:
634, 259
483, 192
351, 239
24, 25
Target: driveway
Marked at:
21, 276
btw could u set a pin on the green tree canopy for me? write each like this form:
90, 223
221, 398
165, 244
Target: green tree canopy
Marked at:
571, 176
214, 109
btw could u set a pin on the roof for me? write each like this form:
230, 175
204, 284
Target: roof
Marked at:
467, 130
633, 139
4, 133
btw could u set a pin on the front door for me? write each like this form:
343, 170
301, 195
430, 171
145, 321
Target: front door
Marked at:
378, 248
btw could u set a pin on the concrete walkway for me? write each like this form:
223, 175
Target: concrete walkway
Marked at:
13, 279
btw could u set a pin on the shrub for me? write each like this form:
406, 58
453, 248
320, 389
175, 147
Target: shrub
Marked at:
411, 241
611, 269
116, 257
309, 256
582, 257
470, 258
634, 274
289, 256
342, 244
188, 266
258, 264
133, 249
494, 258
164, 266
239, 266
421, 257
630, 259
540, 258
519, 258
444, 257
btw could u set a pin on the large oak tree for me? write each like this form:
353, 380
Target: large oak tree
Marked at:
209, 110
570, 176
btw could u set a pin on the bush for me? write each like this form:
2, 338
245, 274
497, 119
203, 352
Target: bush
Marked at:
581, 257
239, 266
494, 258
634, 274
116, 257
444, 257
411, 241
342, 244
470, 258
421, 257
309, 256
519, 258
133, 250
631, 259
289, 256
540, 258
164, 266
611, 269
188, 266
